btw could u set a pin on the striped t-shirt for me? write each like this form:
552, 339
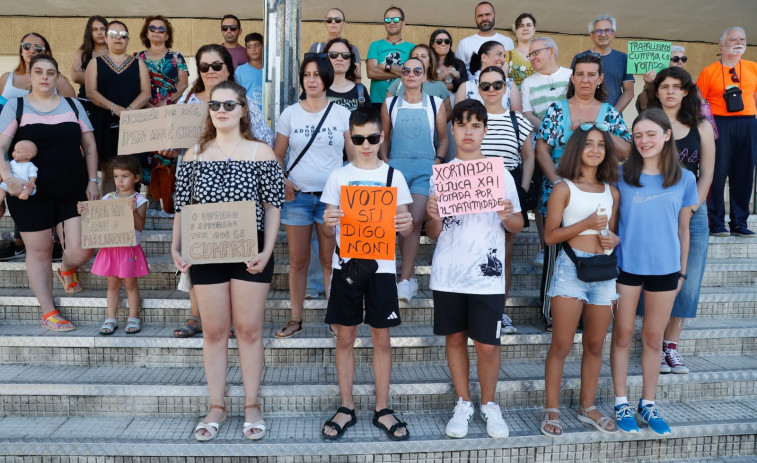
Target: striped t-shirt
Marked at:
500, 138
538, 91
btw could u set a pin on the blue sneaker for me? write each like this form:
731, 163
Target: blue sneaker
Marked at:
624, 419
651, 416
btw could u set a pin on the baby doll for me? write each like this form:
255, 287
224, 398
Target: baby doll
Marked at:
23, 168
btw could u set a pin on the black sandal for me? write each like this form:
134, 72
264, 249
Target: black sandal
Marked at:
339, 429
390, 431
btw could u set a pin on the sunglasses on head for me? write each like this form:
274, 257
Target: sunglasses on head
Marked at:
497, 84
334, 20
343, 54
373, 139
734, 76
607, 31
322, 55
601, 126
227, 105
443, 41
37, 48
205, 67
395, 20
682, 59
416, 71
229, 28
115, 34
160, 29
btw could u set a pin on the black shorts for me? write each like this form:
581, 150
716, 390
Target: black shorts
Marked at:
213, 274
41, 212
379, 297
478, 314
652, 283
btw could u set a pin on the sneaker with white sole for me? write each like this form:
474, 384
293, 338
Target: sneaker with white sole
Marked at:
457, 426
495, 424
507, 325
664, 367
539, 259
674, 360
650, 415
407, 289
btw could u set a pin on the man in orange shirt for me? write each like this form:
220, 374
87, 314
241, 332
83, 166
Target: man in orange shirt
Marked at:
730, 87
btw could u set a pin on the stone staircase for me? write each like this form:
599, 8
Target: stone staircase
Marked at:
82, 397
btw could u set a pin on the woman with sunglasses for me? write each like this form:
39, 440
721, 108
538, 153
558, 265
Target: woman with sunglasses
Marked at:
449, 70
657, 197
432, 86
17, 83
168, 70
411, 121
116, 82
214, 63
230, 164
313, 155
92, 46
524, 30
583, 214
676, 94
346, 90
491, 53
335, 23
512, 144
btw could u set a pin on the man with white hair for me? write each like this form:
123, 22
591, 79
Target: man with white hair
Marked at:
485, 18
730, 87
548, 83
618, 83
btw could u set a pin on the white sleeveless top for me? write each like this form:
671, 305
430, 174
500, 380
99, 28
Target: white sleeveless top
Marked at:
583, 204
9, 91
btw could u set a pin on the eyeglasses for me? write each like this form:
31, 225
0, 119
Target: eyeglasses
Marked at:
334, 20
682, 59
37, 48
601, 126
498, 85
535, 53
607, 31
443, 41
373, 139
395, 20
160, 29
227, 105
229, 28
205, 67
417, 72
114, 34
343, 54
323, 55
734, 76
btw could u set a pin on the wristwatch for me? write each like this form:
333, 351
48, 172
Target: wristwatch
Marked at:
388, 67
682, 275
96, 180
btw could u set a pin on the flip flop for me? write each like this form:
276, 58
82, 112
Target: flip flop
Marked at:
109, 326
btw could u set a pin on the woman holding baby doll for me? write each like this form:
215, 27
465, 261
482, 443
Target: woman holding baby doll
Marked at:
61, 132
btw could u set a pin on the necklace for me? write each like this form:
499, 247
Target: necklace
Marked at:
394, 43
225, 154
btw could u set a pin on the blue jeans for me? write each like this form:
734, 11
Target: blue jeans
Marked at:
565, 283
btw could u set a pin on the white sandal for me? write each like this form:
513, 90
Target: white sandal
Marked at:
248, 427
556, 423
600, 424
211, 428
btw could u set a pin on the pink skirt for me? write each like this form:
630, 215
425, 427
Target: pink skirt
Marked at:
123, 262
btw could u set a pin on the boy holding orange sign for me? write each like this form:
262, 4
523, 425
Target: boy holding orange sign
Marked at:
362, 199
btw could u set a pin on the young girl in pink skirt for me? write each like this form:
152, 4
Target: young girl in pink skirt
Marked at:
125, 263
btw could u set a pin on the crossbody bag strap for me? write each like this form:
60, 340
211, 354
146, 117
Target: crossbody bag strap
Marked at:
516, 128
310, 142
569, 252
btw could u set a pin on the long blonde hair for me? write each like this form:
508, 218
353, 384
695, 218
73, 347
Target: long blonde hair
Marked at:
209, 132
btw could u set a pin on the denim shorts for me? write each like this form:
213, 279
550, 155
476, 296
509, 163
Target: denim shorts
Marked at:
417, 173
304, 209
565, 283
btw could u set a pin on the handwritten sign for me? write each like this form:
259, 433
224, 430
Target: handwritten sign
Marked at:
468, 187
173, 126
367, 229
645, 56
219, 232
107, 224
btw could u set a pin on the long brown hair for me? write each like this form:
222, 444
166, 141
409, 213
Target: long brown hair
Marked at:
21, 68
670, 166
245, 125
432, 61
571, 166
690, 113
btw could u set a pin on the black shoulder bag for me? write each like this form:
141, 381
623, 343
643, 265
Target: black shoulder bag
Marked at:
310, 142
596, 268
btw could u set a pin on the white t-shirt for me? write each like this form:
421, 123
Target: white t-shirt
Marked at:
324, 155
538, 91
471, 44
470, 251
406, 105
500, 138
354, 176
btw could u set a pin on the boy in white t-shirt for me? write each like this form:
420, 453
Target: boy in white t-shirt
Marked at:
378, 294
468, 281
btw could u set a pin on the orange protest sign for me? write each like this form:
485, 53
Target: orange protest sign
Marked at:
367, 229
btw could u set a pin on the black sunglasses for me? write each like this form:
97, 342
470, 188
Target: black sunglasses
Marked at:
226, 28
227, 105
205, 67
734, 76
373, 139
323, 55
28, 46
343, 54
334, 20
498, 85
682, 59
160, 29
443, 41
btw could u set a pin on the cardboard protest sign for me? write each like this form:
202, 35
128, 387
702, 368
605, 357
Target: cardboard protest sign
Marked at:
645, 56
367, 229
219, 232
468, 187
173, 126
107, 224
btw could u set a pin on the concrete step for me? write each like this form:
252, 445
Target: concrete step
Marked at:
412, 345
699, 429
34, 390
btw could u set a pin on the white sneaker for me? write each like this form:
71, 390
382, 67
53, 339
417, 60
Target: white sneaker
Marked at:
539, 259
495, 424
407, 289
457, 426
507, 326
